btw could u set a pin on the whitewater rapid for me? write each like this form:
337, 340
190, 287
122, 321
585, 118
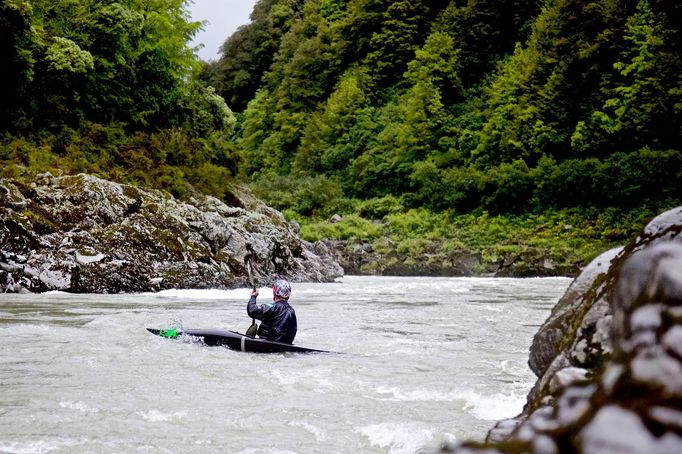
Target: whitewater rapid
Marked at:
421, 361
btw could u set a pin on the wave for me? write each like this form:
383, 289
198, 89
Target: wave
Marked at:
489, 407
398, 438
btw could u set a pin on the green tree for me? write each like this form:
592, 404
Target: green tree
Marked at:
246, 55
326, 144
17, 60
402, 27
642, 98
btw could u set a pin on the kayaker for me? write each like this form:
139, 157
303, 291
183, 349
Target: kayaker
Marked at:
278, 319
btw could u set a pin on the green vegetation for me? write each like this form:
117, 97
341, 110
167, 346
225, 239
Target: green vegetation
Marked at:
545, 111
111, 88
472, 125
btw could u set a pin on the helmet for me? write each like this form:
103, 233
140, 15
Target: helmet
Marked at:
281, 288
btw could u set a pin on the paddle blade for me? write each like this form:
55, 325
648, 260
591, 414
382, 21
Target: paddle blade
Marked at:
253, 329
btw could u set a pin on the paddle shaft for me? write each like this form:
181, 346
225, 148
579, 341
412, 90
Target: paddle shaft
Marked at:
253, 329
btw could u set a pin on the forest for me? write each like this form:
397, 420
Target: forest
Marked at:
110, 88
476, 124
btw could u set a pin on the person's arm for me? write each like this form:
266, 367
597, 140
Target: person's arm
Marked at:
255, 310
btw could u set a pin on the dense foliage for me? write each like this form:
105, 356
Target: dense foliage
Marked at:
107, 87
506, 106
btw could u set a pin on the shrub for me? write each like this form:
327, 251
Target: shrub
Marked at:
317, 196
350, 227
377, 208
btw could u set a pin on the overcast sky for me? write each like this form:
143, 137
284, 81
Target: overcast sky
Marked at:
224, 17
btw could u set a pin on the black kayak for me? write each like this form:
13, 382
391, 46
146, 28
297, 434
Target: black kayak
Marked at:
233, 340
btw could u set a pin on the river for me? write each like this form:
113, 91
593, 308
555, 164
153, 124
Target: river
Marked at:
420, 361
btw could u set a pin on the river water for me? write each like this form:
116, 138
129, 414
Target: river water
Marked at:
420, 361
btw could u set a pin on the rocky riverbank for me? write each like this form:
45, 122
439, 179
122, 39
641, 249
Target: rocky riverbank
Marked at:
360, 257
84, 234
609, 357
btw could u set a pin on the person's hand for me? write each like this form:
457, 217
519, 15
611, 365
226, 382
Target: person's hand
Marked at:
254, 292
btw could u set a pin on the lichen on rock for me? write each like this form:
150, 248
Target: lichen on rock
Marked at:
80, 233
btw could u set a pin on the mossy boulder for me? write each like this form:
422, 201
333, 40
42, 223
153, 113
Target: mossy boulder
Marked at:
80, 233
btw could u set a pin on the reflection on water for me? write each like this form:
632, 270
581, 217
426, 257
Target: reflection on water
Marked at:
424, 360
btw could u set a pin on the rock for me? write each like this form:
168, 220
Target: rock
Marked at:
615, 430
672, 340
503, 430
573, 404
664, 224
615, 382
10, 268
653, 366
84, 259
83, 234
551, 338
566, 376
666, 416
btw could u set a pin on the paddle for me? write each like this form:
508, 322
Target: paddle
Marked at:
253, 329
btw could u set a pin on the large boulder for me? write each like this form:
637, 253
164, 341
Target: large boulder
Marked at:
609, 357
84, 234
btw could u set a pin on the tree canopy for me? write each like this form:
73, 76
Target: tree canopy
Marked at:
110, 87
507, 106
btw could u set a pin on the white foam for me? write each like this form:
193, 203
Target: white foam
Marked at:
418, 395
159, 416
38, 446
319, 383
318, 433
79, 406
398, 438
491, 407
205, 294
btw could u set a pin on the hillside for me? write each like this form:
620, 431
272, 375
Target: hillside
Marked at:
372, 108
508, 106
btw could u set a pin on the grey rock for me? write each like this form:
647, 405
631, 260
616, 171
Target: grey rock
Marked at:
56, 280
84, 234
541, 388
657, 273
565, 377
652, 365
551, 338
542, 444
663, 223
638, 341
672, 340
84, 259
619, 431
503, 430
666, 416
611, 376
10, 267
573, 404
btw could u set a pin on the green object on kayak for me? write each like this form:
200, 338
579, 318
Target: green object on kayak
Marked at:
169, 333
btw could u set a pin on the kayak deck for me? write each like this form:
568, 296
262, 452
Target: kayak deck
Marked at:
233, 340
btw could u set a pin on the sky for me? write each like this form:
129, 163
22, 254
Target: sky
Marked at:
224, 17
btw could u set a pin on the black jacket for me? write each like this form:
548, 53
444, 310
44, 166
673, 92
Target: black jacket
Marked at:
278, 320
